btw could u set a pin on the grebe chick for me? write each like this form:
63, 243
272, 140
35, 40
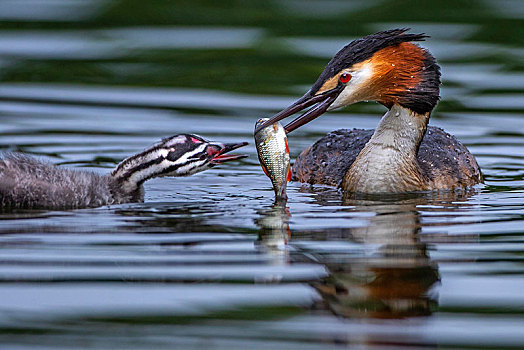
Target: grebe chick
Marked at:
398, 156
26, 182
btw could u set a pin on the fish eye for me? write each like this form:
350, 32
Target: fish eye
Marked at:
202, 157
345, 77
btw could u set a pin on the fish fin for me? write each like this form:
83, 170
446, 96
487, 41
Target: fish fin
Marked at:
263, 166
288, 174
287, 146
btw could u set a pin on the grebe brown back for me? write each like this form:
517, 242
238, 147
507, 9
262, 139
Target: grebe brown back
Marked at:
26, 182
403, 154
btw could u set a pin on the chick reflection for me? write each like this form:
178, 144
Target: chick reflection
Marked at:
274, 232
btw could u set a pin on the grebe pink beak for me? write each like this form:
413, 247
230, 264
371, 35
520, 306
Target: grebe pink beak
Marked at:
221, 157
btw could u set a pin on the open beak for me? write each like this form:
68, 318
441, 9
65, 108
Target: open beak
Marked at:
222, 157
322, 101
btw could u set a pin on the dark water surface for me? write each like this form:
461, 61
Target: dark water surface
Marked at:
204, 263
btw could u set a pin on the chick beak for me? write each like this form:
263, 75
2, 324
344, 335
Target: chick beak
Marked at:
221, 157
322, 101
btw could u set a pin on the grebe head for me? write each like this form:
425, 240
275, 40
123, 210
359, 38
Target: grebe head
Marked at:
188, 154
385, 67
179, 155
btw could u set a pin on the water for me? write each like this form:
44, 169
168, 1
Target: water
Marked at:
208, 261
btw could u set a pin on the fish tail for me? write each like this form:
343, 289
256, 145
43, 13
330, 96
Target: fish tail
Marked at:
281, 193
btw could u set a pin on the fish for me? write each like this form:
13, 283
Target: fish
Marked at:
273, 153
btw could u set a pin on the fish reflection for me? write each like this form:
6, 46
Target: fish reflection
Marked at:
274, 232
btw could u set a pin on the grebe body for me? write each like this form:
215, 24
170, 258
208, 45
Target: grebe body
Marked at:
443, 162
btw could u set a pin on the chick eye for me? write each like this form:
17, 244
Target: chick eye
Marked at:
198, 157
345, 77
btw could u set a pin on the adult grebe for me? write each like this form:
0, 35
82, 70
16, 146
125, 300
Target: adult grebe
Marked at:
28, 183
399, 156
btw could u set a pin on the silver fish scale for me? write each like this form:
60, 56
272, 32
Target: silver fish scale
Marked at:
273, 155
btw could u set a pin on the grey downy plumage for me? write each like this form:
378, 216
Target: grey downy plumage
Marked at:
26, 182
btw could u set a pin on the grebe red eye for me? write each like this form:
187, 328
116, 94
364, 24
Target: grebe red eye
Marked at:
345, 77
